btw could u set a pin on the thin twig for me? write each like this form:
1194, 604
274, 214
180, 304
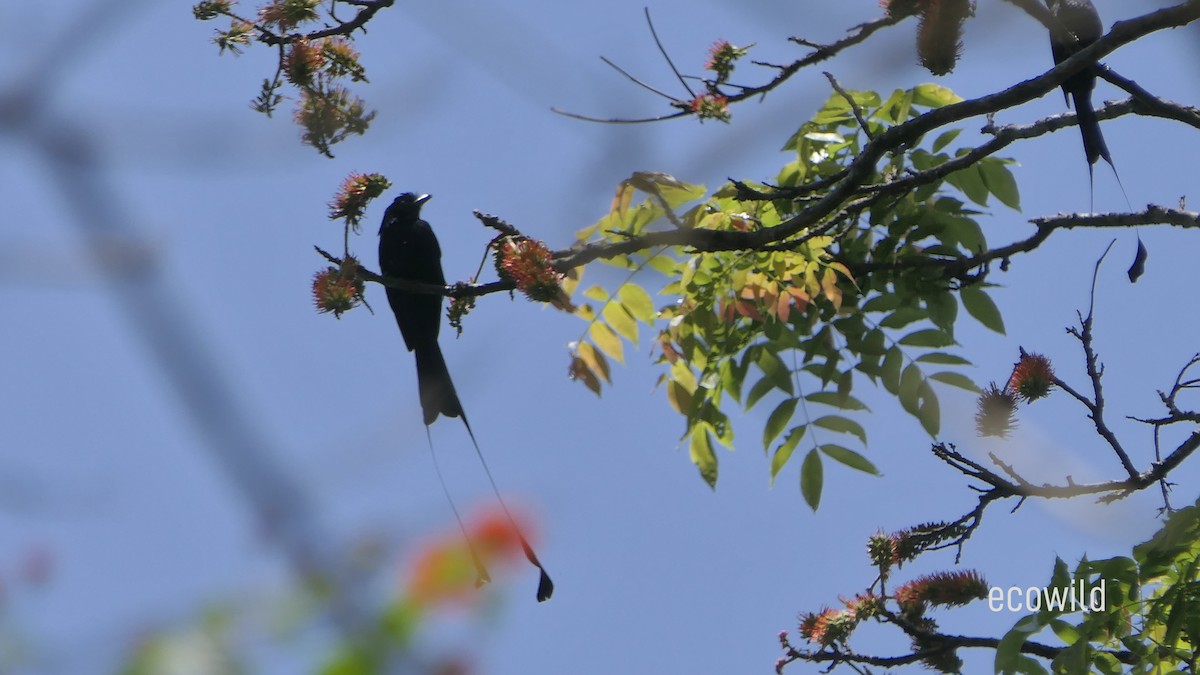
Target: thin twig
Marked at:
666, 56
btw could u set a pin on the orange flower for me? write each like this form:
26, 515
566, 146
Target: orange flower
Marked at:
530, 265
337, 290
1032, 377
356, 191
942, 588
830, 626
711, 107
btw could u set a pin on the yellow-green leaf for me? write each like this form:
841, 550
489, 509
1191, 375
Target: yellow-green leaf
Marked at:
620, 321
784, 452
703, 456
934, 96
596, 293
637, 302
607, 341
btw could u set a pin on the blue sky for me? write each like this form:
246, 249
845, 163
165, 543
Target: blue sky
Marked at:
103, 467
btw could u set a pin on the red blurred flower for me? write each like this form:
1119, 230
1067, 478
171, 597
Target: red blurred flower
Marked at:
1032, 377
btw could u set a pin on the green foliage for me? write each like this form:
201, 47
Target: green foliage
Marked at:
793, 321
1150, 618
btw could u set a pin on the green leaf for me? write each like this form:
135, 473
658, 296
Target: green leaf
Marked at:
702, 454
892, 363
966, 231
970, 182
845, 384
930, 337
757, 391
874, 344
956, 380
980, 306
910, 385
637, 302
779, 375
850, 458
619, 319
943, 310
1065, 631
942, 358
842, 425
1027, 665
1008, 652
836, 400
784, 452
1000, 182
930, 412
934, 96
731, 379
778, 420
903, 316
607, 341
946, 139
883, 302
1061, 576
812, 479
1107, 664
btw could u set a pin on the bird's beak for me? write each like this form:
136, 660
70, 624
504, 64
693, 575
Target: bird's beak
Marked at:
423, 198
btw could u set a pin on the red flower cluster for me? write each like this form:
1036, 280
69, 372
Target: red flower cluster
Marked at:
942, 588
1032, 377
529, 264
337, 290
831, 625
721, 58
711, 107
357, 190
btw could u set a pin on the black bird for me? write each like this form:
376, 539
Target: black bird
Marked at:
1081, 19
408, 249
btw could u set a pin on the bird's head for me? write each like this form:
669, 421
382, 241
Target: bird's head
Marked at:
404, 209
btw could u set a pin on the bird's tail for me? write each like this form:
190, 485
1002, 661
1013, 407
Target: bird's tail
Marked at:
439, 398
1093, 141
433, 381
545, 585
